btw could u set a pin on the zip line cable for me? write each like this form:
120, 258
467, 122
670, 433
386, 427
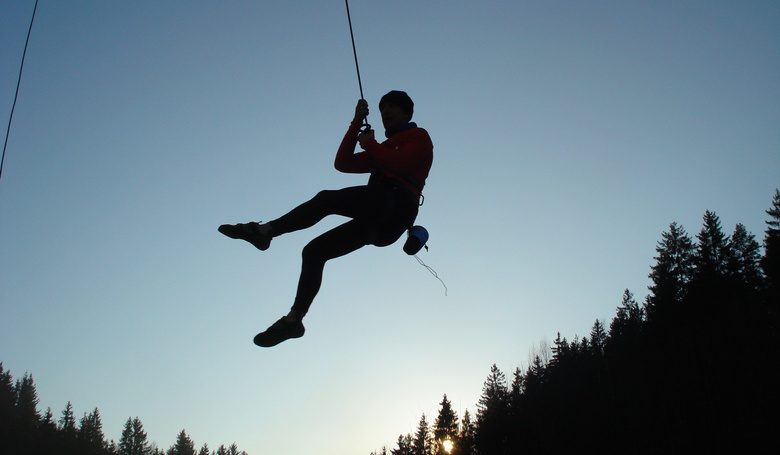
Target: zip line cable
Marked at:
18, 83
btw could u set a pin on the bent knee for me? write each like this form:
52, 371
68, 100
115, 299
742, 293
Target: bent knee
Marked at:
313, 252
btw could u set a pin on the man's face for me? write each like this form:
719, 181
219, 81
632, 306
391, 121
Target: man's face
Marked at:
393, 116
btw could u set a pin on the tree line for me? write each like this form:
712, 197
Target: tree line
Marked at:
692, 369
23, 430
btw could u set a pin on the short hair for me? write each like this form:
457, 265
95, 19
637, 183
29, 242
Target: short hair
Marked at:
399, 99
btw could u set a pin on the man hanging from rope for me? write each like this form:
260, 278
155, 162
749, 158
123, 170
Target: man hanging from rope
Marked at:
379, 211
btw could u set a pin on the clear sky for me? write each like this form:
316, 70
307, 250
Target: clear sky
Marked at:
568, 136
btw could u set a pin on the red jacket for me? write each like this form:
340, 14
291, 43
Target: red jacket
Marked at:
405, 157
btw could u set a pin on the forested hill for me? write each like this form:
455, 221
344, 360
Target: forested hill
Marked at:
691, 369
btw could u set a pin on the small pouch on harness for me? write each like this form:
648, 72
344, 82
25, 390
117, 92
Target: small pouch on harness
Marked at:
415, 240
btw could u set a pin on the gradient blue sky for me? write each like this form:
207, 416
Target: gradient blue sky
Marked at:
568, 135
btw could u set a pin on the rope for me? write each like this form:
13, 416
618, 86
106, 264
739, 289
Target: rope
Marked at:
354, 50
18, 83
366, 125
433, 272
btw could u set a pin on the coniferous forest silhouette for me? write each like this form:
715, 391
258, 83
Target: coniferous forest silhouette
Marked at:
691, 369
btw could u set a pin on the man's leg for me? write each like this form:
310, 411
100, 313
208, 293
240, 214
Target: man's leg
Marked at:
337, 242
353, 202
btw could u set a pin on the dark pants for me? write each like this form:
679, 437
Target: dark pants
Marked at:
380, 214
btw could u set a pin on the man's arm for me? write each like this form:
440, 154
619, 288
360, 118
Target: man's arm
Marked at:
346, 158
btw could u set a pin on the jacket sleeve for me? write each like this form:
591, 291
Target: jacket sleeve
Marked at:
346, 158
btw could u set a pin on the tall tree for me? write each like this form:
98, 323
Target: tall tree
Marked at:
134, 440
446, 426
27, 400
466, 436
7, 400
90, 431
671, 273
423, 444
404, 446
598, 337
712, 253
183, 446
492, 413
744, 265
68, 421
627, 323
770, 263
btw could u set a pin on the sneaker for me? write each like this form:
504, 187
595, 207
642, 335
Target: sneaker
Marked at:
247, 231
280, 330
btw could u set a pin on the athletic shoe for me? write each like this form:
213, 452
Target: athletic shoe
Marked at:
249, 232
280, 330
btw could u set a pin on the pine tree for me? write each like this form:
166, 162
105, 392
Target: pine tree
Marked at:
598, 338
671, 273
743, 266
404, 446
627, 322
133, 440
712, 252
7, 400
770, 263
204, 450
466, 437
516, 390
183, 446
446, 426
423, 444
90, 431
492, 413
68, 421
27, 401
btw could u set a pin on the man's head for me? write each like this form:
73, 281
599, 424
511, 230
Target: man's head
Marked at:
396, 108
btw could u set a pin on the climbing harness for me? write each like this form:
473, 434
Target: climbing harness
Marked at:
18, 82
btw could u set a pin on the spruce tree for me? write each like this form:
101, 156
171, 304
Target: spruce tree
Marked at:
404, 446
627, 322
7, 402
27, 401
671, 273
90, 432
598, 338
492, 413
183, 446
423, 444
68, 422
446, 426
770, 263
744, 264
712, 252
133, 440
204, 450
466, 436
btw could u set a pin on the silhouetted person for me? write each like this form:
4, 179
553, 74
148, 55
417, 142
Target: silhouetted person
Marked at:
379, 211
